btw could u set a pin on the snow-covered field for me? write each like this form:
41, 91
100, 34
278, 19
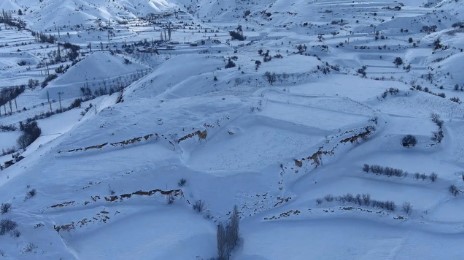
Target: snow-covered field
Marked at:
155, 123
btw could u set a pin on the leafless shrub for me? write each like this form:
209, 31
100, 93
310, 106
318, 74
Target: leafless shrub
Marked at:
407, 207
5, 208
198, 206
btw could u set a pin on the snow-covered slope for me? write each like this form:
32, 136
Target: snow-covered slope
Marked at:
333, 126
43, 15
97, 70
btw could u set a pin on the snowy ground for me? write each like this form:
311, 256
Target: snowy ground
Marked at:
312, 95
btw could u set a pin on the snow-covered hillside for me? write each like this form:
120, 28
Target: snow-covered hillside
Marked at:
131, 129
44, 15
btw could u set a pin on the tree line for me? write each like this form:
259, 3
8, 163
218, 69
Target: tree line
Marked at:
7, 18
9, 94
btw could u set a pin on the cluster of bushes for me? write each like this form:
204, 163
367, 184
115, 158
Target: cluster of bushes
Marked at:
22, 63
230, 63
86, 109
45, 38
407, 207
361, 200
409, 141
379, 170
437, 136
120, 98
30, 247
86, 91
237, 34
88, 94
436, 119
391, 91
437, 44
228, 236
30, 194
105, 91
325, 69
42, 115
270, 77
71, 46
454, 190
48, 79
8, 226
32, 83
301, 48
9, 94
8, 151
455, 100
198, 206
433, 176
7, 18
62, 69
31, 131
8, 128
267, 56
427, 90
458, 25
388, 171
398, 61
73, 51
5, 208
428, 29
458, 88
182, 182
362, 71
76, 103
257, 64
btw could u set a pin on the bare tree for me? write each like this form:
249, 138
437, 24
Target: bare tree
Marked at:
228, 238
407, 207
221, 242
270, 77
233, 228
